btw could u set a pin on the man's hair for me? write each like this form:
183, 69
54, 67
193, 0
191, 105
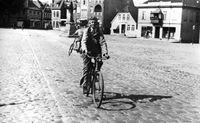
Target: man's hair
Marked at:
94, 18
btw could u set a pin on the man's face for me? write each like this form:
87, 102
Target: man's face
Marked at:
92, 23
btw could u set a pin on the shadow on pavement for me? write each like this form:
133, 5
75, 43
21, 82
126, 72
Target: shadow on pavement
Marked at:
119, 101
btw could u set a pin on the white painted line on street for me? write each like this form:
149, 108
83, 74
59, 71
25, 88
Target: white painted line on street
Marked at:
47, 81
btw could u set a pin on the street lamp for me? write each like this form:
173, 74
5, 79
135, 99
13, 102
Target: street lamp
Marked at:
70, 5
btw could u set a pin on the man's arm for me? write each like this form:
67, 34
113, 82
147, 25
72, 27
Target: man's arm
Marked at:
84, 40
103, 43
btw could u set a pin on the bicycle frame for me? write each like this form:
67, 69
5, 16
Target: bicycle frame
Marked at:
94, 61
96, 84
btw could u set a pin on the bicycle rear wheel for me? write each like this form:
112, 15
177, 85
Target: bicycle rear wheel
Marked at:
98, 89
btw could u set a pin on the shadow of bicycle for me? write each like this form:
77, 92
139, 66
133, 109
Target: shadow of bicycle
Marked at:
119, 101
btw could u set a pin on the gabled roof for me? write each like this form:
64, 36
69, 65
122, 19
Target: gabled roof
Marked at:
188, 3
32, 4
126, 9
122, 13
38, 4
57, 4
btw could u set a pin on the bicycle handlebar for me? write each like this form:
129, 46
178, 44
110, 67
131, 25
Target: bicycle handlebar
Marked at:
105, 56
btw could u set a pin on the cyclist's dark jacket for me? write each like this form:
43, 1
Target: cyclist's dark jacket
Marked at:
94, 42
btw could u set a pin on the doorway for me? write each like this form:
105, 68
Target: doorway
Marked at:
123, 28
157, 32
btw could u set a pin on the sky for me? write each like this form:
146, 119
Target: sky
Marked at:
136, 2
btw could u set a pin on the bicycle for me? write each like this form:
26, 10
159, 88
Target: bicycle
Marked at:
96, 84
73, 46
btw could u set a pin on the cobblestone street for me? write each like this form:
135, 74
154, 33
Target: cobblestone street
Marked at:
146, 81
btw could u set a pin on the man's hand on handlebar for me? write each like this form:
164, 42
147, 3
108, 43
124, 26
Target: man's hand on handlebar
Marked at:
105, 56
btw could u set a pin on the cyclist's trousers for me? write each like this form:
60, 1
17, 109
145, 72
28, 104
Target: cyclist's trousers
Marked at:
87, 66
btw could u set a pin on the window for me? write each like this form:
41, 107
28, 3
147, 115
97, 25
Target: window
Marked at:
91, 9
133, 27
185, 16
119, 16
54, 14
191, 16
128, 17
124, 17
57, 24
128, 27
83, 2
197, 17
57, 14
54, 25
165, 15
143, 15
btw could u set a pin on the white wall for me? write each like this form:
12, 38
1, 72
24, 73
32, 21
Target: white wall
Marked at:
174, 15
118, 21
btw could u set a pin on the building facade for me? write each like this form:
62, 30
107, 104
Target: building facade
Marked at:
46, 16
59, 14
112, 7
123, 24
104, 10
34, 14
176, 20
89, 8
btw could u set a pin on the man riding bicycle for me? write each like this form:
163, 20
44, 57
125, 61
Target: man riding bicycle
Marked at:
93, 44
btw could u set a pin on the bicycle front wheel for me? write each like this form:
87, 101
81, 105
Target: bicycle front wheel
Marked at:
70, 49
98, 89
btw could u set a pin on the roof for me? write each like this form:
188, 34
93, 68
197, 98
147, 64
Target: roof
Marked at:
32, 4
173, 1
57, 4
126, 9
188, 3
39, 5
